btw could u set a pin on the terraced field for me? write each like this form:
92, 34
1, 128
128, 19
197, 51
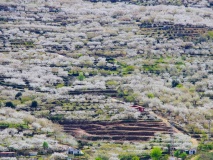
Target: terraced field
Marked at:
117, 131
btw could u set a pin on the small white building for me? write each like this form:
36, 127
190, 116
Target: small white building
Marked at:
74, 151
191, 151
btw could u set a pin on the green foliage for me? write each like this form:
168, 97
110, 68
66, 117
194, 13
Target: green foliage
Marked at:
18, 126
129, 68
135, 158
25, 99
122, 92
81, 76
57, 117
150, 67
29, 43
150, 95
4, 125
165, 157
156, 153
179, 86
13, 125
160, 60
111, 82
204, 137
59, 85
177, 153
10, 104
183, 155
206, 146
129, 98
45, 145
210, 34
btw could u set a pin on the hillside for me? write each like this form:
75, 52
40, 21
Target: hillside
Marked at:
70, 61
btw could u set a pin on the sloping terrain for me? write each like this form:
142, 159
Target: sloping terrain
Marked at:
73, 57
21, 132
117, 131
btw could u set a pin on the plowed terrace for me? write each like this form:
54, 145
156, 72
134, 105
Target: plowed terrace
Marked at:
117, 131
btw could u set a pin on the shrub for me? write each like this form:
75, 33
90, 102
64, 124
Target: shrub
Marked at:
45, 145
175, 83
19, 94
130, 68
206, 147
111, 83
81, 76
156, 153
165, 157
177, 153
150, 95
135, 158
34, 104
59, 85
10, 104
129, 98
210, 34
183, 155
25, 99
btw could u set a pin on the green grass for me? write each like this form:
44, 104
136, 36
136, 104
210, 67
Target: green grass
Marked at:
180, 63
25, 99
111, 82
13, 125
179, 86
150, 67
210, 34
59, 85
160, 60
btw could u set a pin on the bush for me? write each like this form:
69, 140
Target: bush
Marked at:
177, 153
175, 83
81, 76
156, 153
45, 145
10, 104
19, 94
111, 83
165, 157
135, 158
130, 68
206, 147
34, 104
210, 34
59, 85
183, 155
129, 98
150, 95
